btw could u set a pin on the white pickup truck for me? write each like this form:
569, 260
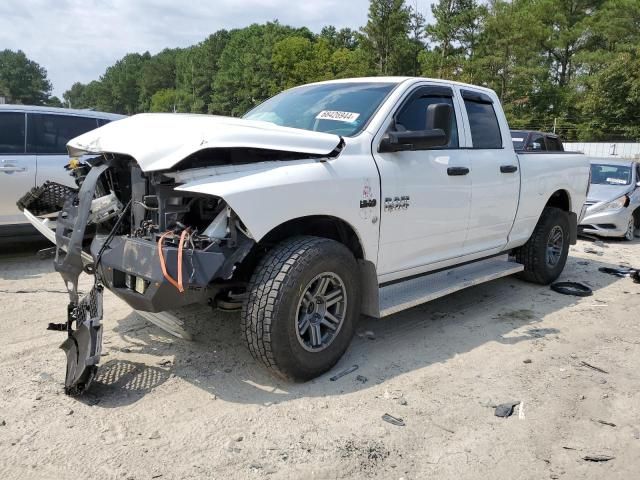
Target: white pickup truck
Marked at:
327, 201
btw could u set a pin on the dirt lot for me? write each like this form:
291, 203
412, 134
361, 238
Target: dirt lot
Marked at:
171, 409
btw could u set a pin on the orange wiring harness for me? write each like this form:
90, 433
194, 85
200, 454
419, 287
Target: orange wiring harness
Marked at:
163, 264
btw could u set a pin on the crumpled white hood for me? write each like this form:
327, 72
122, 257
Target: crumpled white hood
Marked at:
158, 141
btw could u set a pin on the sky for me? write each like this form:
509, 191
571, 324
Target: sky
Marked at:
76, 40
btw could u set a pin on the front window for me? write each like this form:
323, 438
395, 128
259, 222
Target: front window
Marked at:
338, 108
602, 174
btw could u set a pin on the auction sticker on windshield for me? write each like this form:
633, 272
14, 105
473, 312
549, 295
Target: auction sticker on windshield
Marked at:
618, 181
348, 117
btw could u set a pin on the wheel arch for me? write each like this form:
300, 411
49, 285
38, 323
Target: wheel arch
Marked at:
331, 227
325, 226
560, 199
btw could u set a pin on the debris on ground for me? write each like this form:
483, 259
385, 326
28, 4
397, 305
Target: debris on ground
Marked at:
618, 272
527, 360
593, 251
604, 422
592, 367
572, 288
505, 410
361, 379
47, 253
344, 372
398, 422
368, 334
598, 458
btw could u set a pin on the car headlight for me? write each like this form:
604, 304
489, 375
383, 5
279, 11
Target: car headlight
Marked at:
621, 202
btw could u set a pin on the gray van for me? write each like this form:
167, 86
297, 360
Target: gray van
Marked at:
33, 150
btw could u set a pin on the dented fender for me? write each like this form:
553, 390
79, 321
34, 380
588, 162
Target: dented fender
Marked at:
269, 194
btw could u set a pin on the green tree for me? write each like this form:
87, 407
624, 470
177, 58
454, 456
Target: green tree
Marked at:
156, 73
75, 96
343, 38
246, 76
454, 36
23, 80
170, 100
611, 102
197, 66
121, 82
385, 36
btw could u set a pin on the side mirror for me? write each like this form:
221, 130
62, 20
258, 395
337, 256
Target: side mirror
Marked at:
439, 116
536, 146
436, 133
413, 140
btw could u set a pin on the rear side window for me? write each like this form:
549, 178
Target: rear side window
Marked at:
485, 130
553, 144
413, 116
103, 121
49, 134
12, 132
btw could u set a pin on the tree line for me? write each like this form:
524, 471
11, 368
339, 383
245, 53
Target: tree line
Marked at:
572, 66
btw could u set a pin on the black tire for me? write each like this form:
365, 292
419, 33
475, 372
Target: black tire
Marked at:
269, 318
533, 254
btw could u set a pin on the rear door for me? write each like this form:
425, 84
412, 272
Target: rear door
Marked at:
51, 134
495, 174
426, 193
17, 168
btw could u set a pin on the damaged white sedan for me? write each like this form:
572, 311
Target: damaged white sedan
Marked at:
330, 200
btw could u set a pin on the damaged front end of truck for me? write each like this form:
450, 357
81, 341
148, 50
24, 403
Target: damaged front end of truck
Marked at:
129, 224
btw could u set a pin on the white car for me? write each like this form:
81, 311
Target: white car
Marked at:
33, 150
329, 200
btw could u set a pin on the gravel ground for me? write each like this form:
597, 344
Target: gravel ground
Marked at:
171, 409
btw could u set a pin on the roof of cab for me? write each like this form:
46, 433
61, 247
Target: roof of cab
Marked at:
398, 80
59, 111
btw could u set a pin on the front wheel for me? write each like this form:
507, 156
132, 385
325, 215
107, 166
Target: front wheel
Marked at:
302, 307
631, 229
545, 253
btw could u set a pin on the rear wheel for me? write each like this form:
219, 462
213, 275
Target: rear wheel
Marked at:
545, 253
302, 307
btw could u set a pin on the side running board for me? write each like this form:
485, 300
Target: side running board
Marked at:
415, 291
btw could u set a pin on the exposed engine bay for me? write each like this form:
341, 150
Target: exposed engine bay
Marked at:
154, 247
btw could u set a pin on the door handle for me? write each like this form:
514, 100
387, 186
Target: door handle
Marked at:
457, 171
12, 168
508, 168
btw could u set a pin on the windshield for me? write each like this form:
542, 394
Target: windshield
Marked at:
518, 139
610, 174
338, 108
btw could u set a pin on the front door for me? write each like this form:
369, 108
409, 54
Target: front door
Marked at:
17, 169
426, 194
